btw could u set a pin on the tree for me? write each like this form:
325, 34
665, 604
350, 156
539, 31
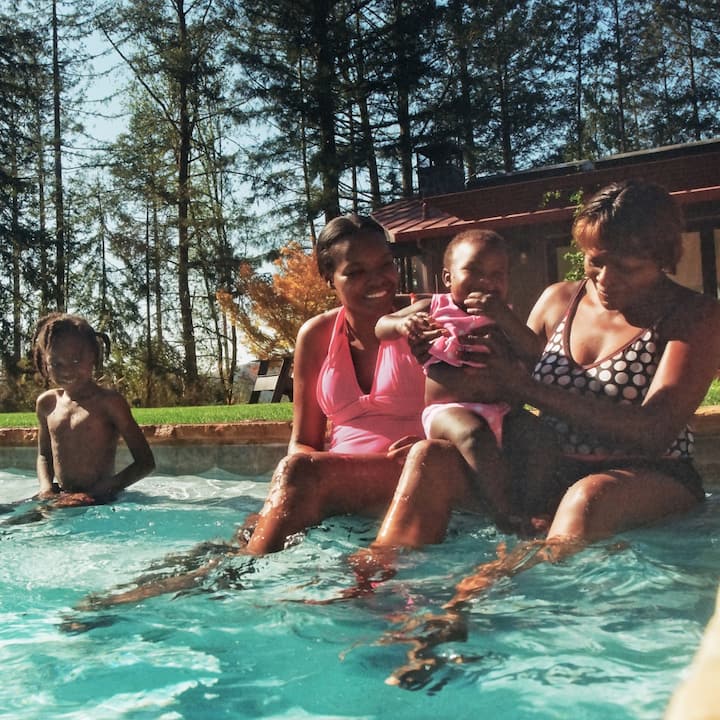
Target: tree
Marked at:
19, 48
269, 309
174, 53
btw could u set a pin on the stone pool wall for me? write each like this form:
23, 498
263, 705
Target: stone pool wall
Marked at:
253, 448
244, 448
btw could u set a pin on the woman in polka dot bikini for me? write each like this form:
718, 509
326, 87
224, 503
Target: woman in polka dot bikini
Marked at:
629, 355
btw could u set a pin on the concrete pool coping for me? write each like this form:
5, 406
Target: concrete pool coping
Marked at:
249, 448
253, 448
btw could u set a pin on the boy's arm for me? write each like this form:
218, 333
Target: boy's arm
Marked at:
44, 463
402, 322
143, 459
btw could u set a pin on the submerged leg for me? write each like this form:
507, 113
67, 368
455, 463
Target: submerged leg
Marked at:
422, 663
161, 586
436, 630
306, 488
182, 572
595, 507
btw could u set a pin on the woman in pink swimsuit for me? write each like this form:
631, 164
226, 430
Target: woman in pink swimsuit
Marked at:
371, 393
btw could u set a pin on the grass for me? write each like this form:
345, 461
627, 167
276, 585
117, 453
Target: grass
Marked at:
180, 415
713, 394
227, 413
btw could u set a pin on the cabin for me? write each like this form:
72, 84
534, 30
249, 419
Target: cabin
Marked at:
534, 209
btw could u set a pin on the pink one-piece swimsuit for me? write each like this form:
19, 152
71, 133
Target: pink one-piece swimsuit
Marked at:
370, 422
447, 349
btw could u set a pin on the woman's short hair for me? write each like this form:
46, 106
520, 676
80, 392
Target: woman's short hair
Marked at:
632, 218
336, 230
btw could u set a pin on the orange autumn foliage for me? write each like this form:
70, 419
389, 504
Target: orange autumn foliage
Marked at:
268, 310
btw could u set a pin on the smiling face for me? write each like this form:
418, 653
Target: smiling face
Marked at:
364, 274
474, 267
69, 361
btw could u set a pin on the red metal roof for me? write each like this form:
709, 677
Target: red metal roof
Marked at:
691, 173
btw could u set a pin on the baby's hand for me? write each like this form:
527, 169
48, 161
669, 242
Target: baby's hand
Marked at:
420, 330
478, 303
417, 325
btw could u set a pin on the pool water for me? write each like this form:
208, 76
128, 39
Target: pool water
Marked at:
604, 635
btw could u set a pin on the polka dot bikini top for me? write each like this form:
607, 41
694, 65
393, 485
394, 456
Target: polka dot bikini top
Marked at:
624, 377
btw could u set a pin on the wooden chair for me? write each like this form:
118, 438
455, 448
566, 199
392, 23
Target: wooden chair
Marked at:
279, 381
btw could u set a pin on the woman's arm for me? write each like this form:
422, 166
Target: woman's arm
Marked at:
309, 421
685, 371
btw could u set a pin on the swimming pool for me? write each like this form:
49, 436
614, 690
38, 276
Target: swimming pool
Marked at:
605, 635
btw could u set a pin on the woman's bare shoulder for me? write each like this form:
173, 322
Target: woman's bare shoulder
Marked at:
318, 325
313, 338
551, 306
691, 309
560, 292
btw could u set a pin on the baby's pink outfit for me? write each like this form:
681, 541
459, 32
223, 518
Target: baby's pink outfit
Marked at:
447, 348
370, 423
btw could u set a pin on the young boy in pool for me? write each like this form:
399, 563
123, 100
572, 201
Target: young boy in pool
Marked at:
80, 422
511, 456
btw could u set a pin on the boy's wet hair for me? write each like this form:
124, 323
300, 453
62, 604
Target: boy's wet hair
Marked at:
336, 230
632, 218
55, 325
489, 238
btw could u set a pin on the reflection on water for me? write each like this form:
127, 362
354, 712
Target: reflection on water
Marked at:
603, 635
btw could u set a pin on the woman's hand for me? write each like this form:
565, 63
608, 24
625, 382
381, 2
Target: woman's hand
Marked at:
479, 303
400, 448
502, 370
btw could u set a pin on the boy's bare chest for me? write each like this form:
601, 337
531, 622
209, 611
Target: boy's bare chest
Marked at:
74, 418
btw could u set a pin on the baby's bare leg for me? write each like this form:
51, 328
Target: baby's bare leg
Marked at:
477, 444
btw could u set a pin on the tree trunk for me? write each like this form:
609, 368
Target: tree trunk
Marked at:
325, 105
185, 141
60, 259
619, 79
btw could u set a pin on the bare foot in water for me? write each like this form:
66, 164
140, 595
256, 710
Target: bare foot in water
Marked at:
373, 565
422, 662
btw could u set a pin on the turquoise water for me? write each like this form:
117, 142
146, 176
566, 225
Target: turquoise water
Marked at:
605, 635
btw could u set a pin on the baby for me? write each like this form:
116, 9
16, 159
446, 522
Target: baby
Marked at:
80, 422
476, 272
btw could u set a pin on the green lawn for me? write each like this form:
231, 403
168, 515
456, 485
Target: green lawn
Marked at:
181, 415
713, 394
228, 413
